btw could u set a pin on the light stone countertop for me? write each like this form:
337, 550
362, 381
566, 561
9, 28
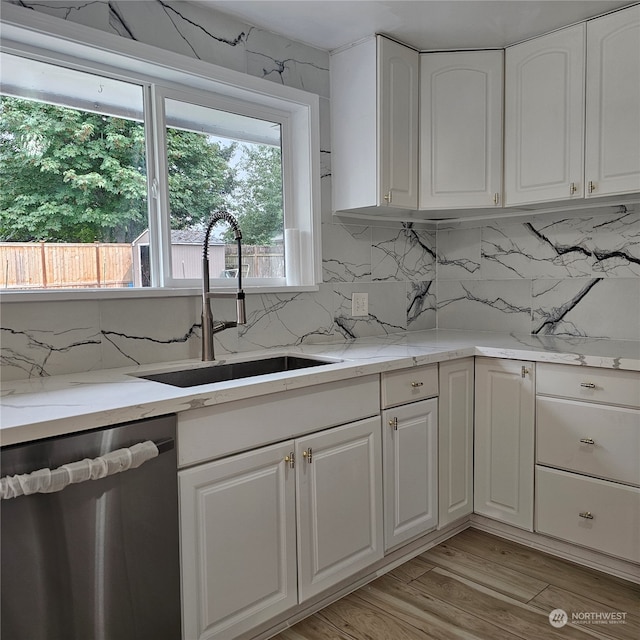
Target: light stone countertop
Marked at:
57, 405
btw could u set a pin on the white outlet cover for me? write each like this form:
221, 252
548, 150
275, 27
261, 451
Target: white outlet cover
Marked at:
359, 305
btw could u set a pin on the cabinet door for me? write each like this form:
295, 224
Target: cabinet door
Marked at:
455, 441
544, 121
504, 436
238, 542
410, 475
339, 503
612, 162
398, 122
461, 129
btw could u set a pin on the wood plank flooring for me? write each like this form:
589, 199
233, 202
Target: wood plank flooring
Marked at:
476, 586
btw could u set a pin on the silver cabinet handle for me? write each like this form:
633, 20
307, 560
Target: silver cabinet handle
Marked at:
587, 440
587, 515
588, 385
417, 384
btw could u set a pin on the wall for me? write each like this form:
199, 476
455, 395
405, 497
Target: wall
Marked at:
546, 275
396, 266
513, 276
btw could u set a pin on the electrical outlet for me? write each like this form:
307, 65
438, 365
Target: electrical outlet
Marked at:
359, 305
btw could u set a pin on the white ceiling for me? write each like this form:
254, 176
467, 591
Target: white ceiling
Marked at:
424, 24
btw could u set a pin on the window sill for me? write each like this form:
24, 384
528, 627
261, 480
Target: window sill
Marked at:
63, 295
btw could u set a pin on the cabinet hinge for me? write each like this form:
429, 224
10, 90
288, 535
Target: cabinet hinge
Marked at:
291, 459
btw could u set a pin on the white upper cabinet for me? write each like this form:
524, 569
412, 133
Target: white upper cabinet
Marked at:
374, 126
461, 129
544, 118
613, 104
398, 124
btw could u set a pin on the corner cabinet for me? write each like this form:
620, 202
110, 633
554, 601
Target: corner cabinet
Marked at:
461, 129
544, 118
455, 441
267, 529
504, 440
374, 128
613, 104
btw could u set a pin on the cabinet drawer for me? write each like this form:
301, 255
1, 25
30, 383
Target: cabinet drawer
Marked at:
598, 440
612, 522
409, 385
589, 383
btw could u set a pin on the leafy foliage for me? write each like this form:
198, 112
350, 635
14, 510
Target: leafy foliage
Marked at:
74, 176
258, 198
69, 175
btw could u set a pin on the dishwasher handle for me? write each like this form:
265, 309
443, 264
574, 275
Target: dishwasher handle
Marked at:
48, 481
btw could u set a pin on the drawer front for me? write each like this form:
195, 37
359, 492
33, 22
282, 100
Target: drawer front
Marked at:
612, 522
589, 383
598, 440
409, 385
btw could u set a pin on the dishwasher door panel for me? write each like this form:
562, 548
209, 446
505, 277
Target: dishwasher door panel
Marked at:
98, 560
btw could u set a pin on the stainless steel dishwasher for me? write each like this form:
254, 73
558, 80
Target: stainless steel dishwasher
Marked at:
98, 559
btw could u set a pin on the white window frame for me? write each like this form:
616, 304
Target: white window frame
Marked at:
28, 33
223, 104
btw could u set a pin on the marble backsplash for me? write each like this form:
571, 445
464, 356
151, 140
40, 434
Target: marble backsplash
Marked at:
543, 275
576, 275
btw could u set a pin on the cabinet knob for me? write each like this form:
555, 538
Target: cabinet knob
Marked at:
524, 372
496, 198
388, 197
588, 385
572, 188
591, 187
587, 515
308, 454
417, 384
394, 423
291, 459
587, 440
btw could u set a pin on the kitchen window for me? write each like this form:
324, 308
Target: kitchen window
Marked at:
116, 173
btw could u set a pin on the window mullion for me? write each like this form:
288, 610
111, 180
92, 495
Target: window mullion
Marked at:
159, 224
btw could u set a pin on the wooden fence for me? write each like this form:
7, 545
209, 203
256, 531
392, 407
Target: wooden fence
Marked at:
258, 261
44, 265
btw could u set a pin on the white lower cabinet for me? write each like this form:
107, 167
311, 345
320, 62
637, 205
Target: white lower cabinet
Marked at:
339, 504
504, 440
410, 450
264, 530
590, 512
588, 448
455, 440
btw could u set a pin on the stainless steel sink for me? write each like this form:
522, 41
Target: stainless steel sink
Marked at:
234, 370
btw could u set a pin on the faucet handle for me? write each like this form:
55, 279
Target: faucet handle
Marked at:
241, 311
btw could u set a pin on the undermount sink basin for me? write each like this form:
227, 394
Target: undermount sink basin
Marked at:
234, 370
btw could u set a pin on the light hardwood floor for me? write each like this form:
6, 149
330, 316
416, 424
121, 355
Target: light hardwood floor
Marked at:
476, 586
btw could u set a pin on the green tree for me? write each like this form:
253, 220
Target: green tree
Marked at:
258, 196
200, 178
73, 176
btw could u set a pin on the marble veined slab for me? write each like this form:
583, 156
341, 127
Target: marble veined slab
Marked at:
56, 405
